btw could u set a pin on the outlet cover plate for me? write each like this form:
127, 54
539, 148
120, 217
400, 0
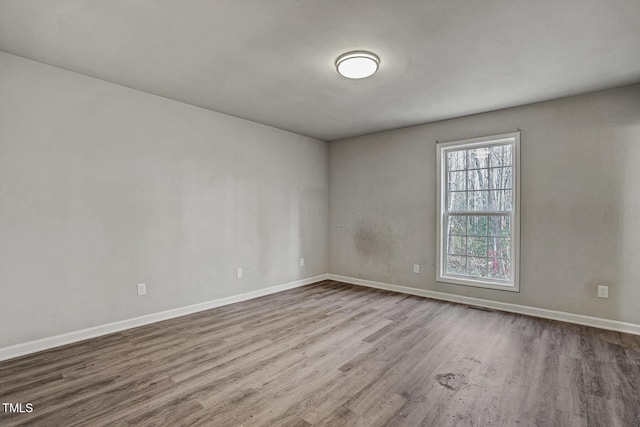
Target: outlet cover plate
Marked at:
603, 292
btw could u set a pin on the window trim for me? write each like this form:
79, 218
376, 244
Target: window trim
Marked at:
441, 150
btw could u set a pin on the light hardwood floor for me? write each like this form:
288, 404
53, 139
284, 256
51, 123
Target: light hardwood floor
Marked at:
334, 354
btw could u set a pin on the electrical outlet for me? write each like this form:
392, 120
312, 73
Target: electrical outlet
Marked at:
301, 262
239, 273
142, 289
603, 292
416, 268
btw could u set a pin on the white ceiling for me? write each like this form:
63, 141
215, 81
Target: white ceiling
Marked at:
272, 61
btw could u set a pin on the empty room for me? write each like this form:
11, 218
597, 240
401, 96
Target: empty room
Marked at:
320, 213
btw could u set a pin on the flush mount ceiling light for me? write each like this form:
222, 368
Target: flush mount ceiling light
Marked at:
357, 65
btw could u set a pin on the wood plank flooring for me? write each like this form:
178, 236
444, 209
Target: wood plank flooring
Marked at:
334, 354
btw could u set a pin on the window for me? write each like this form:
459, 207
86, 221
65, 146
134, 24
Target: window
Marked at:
478, 212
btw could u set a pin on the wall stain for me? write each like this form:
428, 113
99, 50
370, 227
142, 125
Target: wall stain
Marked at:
374, 242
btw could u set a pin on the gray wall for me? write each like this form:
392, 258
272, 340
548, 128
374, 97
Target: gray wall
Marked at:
102, 187
580, 203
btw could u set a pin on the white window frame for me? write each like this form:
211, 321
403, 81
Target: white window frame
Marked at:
442, 181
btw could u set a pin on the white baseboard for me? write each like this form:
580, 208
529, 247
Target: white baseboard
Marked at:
596, 322
71, 337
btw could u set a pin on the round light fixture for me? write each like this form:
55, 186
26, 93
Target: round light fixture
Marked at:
357, 64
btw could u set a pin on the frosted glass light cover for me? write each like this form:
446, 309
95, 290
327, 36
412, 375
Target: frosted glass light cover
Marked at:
357, 65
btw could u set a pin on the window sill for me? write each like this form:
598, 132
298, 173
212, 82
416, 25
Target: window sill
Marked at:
478, 283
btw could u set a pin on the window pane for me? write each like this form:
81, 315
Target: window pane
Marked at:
457, 201
477, 267
477, 225
499, 268
457, 245
495, 177
457, 224
501, 178
500, 200
500, 155
478, 179
457, 181
457, 264
478, 158
477, 246
507, 268
500, 247
493, 268
503, 247
499, 225
478, 201
456, 160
